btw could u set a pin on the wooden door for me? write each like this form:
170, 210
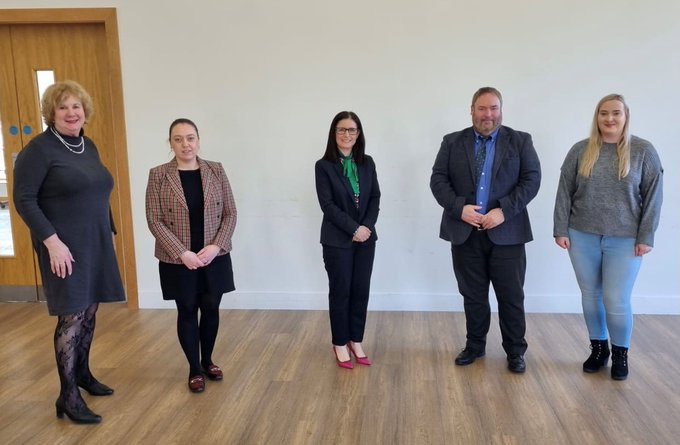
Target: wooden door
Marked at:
79, 51
17, 268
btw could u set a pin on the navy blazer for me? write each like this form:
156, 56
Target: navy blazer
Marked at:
341, 218
515, 180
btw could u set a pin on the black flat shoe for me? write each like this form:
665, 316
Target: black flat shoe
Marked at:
516, 363
468, 356
84, 415
96, 388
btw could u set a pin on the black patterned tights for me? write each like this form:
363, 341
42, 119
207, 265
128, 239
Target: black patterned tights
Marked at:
72, 341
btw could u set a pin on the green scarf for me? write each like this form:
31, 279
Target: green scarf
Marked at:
349, 168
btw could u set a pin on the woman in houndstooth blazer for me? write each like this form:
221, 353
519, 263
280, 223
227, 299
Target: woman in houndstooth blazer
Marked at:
191, 212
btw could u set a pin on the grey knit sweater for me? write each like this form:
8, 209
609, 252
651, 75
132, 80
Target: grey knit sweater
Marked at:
606, 205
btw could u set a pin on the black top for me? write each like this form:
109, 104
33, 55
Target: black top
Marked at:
178, 282
193, 193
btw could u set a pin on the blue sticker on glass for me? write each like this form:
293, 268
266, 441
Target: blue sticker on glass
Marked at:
28, 129
13, 130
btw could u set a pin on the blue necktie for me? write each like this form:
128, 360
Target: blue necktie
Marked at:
480, 157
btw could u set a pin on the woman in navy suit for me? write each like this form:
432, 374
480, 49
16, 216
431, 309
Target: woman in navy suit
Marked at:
349, 195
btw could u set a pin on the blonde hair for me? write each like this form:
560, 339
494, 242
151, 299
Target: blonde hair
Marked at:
592, 152
56, 93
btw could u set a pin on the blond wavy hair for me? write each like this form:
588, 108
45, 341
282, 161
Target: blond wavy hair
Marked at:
58, 92
592, 152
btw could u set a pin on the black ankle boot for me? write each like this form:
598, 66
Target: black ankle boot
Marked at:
82, 414
95, 387
599, 356
619, 362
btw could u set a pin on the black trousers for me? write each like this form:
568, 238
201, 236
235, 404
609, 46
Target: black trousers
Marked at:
477, 263
349, 282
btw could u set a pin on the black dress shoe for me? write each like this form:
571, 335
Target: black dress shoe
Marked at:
83, 415
468, 356
516, 363
96, 388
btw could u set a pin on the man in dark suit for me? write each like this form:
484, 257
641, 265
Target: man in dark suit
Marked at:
484, 177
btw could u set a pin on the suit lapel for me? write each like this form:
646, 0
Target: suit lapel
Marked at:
469, 144
502, 144
343, 179
207, 179
363, 187
172, 175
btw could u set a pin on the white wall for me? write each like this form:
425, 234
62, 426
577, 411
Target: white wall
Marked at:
263, 79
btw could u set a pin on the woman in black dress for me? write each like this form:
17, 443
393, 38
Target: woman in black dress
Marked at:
61, 190
191, 212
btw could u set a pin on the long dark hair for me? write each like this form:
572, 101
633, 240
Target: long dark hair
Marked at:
359, 148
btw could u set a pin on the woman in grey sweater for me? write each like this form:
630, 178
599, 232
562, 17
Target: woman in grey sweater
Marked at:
606, 212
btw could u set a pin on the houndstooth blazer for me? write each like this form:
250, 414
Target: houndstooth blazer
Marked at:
167, 213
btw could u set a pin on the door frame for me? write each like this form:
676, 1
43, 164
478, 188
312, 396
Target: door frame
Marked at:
107, 17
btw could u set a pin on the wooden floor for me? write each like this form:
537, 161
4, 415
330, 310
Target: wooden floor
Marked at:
282, 386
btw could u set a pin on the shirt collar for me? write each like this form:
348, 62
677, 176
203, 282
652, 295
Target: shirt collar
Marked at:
493, 134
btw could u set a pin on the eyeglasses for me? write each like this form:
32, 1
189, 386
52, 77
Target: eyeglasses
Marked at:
350, 131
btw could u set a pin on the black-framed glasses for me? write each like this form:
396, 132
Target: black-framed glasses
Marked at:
350, 131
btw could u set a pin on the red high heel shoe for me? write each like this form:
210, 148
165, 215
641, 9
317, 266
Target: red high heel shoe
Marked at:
360, 360
346, 364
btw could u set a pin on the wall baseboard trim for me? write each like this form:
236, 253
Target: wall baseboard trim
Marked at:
409, 302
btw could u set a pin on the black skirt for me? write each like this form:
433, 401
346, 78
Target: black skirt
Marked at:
178, 282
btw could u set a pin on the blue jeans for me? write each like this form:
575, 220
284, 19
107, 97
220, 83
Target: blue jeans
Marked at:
606, 268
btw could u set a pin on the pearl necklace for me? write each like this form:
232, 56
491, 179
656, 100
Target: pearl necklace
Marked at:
67, 145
